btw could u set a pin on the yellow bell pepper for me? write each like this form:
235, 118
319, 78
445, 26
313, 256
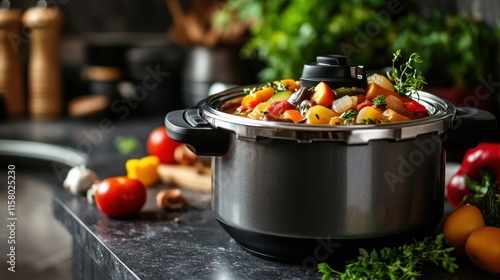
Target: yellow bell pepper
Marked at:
144, 169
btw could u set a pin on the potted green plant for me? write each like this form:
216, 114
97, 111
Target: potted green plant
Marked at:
287, 33
456, 49
459, 53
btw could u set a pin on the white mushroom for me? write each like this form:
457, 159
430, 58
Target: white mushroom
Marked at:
79, 179
170, 199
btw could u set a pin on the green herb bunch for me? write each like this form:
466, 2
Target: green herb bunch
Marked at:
403, 262
406, 79
487, 198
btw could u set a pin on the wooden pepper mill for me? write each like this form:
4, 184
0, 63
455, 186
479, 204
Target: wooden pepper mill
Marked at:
11, 75
44, 77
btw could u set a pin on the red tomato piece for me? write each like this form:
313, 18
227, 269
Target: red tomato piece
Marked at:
366, 103
419, 110
120, 197
277, 108
414, 106
161, 145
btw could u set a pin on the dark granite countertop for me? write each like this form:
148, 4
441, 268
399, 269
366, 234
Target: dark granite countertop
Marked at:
158, 244
187, 244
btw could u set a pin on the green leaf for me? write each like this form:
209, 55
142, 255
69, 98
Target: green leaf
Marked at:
127, 144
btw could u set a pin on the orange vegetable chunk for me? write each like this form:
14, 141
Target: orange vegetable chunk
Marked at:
294, 115
323, 95
264, 94
373, 90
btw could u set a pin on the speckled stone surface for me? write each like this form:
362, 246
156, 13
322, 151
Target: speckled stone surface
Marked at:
186, 244
158, 244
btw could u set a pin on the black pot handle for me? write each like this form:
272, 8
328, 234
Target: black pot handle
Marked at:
470, 126
189, 127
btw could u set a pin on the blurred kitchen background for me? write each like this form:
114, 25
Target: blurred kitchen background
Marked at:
110, 51
134, 59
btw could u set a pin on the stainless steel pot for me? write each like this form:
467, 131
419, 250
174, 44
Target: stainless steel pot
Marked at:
284, 190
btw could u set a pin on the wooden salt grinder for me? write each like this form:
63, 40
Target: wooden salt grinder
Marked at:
44, 77
11, 75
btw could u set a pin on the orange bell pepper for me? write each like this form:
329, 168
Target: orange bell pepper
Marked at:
264, 94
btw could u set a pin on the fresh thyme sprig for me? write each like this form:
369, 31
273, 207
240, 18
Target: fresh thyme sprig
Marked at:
406, 79
403, 262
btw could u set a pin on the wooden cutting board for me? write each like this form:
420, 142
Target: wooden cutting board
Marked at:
197, 177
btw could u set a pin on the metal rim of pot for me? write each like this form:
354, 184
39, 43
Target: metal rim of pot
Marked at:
212, 110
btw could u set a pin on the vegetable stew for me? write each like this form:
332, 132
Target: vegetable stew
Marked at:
288, 101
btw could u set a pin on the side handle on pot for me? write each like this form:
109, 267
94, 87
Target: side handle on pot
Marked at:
189, 127
469, 127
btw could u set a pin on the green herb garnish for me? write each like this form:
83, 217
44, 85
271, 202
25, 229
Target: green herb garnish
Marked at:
403, 262
369, 121
486, 198
379, 101
405, 78
254, 89
279, 87
349, 115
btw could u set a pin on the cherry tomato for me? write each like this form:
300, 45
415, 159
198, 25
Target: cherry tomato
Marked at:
460, 224
483, 249
161, 145
119, 197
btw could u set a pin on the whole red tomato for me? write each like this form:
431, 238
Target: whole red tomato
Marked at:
119, 197
161, 145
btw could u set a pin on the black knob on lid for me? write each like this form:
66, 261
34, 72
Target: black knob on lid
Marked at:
335, 71
333, 59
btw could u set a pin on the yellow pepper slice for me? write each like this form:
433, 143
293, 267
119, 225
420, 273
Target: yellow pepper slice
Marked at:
144, 169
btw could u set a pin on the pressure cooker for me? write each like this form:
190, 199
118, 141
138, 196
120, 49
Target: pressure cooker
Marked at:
308, 193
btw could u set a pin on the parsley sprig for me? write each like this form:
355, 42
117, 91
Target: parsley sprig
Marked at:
406, 79
278, 87
403, 262
379, 100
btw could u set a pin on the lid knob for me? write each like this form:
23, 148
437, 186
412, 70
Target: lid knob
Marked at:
335, 71
332, 59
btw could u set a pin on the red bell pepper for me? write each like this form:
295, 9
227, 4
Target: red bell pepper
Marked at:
419, 110
485, 155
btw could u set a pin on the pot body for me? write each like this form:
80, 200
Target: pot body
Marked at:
296, 192
330, 190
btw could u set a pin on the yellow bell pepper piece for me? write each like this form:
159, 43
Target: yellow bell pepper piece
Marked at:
144, 169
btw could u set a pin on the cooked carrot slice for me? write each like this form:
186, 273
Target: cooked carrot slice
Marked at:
294, 115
